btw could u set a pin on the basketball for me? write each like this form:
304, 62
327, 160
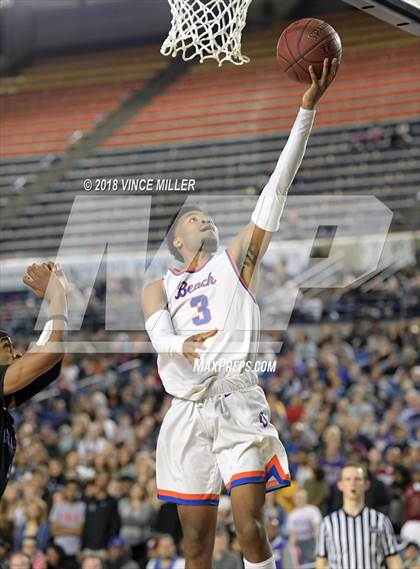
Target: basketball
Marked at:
307, 42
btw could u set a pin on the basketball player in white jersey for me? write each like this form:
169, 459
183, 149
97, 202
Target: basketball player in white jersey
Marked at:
217, 428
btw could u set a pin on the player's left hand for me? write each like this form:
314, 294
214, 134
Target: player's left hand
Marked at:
45, 279
59, 273
319, 86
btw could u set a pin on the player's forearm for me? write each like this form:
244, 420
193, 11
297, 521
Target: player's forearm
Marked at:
56, 326
272, 199
58, 308
292, 155
162, 334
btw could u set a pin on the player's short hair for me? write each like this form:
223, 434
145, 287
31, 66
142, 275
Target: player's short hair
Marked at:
170, 230
4, 334
358, 465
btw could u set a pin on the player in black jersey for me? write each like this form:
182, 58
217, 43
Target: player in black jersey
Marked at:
22, 377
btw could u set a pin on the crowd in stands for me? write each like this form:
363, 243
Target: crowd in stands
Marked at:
393, 297
82, 489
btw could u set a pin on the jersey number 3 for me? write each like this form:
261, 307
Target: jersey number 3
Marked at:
201, 303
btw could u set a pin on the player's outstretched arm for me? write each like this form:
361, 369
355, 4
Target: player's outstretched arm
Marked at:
47, 281
252, 242
160, 328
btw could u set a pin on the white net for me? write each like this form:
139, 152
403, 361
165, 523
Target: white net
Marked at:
207, 29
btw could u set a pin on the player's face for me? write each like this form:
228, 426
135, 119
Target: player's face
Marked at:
7, 352
353, 484
196, 231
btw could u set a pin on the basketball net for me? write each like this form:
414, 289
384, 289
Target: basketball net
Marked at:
207, 29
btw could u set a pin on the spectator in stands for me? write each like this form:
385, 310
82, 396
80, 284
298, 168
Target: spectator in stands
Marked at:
67, 519
412, 497
411, 556
6, 520
30, 548
222, 557
4, 551
401, 136
376, 495
35, 525
92, 562
137, 517
332, 460
118, 557
20, 561
166, 555
55, 558
285, 554
317, 489
167, 521
370, 138
379, 366
102, 519
303, 525
410, 530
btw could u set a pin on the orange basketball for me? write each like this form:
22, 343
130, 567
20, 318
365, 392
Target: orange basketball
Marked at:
307, 42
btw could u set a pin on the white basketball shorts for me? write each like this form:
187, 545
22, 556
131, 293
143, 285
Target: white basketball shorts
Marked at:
226, 438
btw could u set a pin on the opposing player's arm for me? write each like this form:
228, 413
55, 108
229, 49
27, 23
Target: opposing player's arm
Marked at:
248, 248
159, 326
50, 282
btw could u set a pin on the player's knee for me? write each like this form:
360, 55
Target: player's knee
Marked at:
251, 533
197, 542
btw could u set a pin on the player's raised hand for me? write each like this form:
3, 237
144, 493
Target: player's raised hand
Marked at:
194, 345
59, 273
45, 280
320, 85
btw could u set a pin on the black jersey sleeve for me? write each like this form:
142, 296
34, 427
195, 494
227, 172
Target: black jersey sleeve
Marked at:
3, 369
35, 386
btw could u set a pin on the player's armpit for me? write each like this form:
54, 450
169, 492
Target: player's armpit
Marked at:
154, 298
29, 367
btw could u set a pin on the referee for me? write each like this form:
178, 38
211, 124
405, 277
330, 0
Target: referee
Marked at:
355, 536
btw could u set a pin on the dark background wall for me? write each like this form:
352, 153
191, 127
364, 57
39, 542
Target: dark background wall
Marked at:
32, 27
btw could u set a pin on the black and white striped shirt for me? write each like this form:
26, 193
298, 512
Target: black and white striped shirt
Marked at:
356, 542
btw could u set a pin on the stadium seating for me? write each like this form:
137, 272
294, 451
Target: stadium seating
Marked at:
223, 127
211, 102
59, 97
332, 165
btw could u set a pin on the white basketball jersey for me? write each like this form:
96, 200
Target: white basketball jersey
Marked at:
208, 298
